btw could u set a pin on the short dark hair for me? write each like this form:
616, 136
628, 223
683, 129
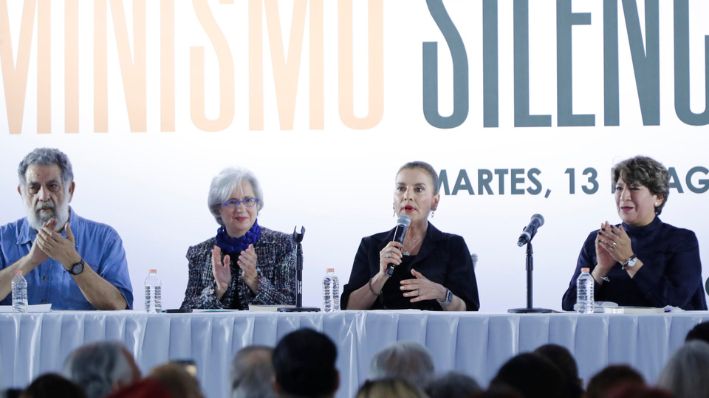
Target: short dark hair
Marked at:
419, 164
532, 375
453, 385
611, 377
53, 385
645, 171
304, 363
562, 358
46, 157
699, 332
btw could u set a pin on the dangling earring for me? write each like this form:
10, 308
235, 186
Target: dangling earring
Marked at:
433, 213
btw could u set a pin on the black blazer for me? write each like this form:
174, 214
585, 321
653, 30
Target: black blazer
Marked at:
443, 258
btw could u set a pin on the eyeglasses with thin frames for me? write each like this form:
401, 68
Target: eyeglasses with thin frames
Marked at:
233, 203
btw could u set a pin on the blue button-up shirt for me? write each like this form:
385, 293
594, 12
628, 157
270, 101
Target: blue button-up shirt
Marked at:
98, 244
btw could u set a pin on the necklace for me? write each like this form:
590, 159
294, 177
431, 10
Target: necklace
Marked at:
412, 245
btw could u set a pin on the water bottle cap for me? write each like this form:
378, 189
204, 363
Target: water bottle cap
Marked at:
585, 269
329, 269
18, 272
151, 270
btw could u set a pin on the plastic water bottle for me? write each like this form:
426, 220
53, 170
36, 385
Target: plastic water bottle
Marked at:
331, 291
19, 292
153, 299
584, 292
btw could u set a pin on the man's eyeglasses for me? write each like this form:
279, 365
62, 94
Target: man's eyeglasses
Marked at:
234, 203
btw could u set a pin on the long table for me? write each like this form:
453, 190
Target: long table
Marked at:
472, 343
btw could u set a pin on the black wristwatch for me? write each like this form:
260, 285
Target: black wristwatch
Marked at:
77, 268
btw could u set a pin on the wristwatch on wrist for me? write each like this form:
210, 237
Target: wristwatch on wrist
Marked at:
77, 268
448, 298
630, 262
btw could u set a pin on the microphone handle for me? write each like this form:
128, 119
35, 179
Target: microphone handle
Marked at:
390, 269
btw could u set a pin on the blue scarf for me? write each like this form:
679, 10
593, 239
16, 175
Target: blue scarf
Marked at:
234, 246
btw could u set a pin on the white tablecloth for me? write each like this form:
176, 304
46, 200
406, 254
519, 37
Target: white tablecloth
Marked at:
473, 343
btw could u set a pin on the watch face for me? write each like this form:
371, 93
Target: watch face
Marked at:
631, 261
77, 268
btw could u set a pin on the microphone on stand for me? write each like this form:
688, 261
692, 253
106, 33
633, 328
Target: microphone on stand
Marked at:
402, 226
530, 230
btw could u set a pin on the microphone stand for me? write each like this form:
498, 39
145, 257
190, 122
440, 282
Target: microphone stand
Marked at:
298, 238
529, 309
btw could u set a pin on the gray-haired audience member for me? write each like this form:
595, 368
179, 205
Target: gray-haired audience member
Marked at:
304, 365
101, 368
406, 360
252, 373
686, 374
453, 385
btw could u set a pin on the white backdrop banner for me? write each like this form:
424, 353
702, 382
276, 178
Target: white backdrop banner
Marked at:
523, 106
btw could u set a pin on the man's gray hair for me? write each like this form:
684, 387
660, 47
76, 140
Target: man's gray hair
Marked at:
98, 367
406, 360
686, 374
224, 184
252, 373
46, 157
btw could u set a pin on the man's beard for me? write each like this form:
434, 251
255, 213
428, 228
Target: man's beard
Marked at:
42, 212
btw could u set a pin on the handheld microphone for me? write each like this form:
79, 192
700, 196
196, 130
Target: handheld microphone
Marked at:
402, 225
530, 230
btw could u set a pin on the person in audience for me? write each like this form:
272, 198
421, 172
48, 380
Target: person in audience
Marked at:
611, 377
699, 332
101, 368
453, 385
244, 263
389, 388
642, 261
177, 380
562, 359
638, 391
686, 374
52, 385
304, 365
145, 388
499, 391
68, 261
252, 373
404, 360
433, 270
531, 375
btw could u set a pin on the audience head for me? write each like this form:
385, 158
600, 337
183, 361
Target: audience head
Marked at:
146, 388
389, 388
101, 368
177, 380
699, 332
51, 385
405, 360
304, 365
252, 373
562, 358
532, 375
610, 378
453, 385
686, 374
500, 391
637, 391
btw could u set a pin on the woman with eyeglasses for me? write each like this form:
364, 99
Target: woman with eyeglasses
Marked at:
244, 263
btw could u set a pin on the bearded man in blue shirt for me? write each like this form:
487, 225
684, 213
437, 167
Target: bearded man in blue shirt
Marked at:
68, 261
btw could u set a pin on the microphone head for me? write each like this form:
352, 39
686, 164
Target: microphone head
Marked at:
404, 220
539, 218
